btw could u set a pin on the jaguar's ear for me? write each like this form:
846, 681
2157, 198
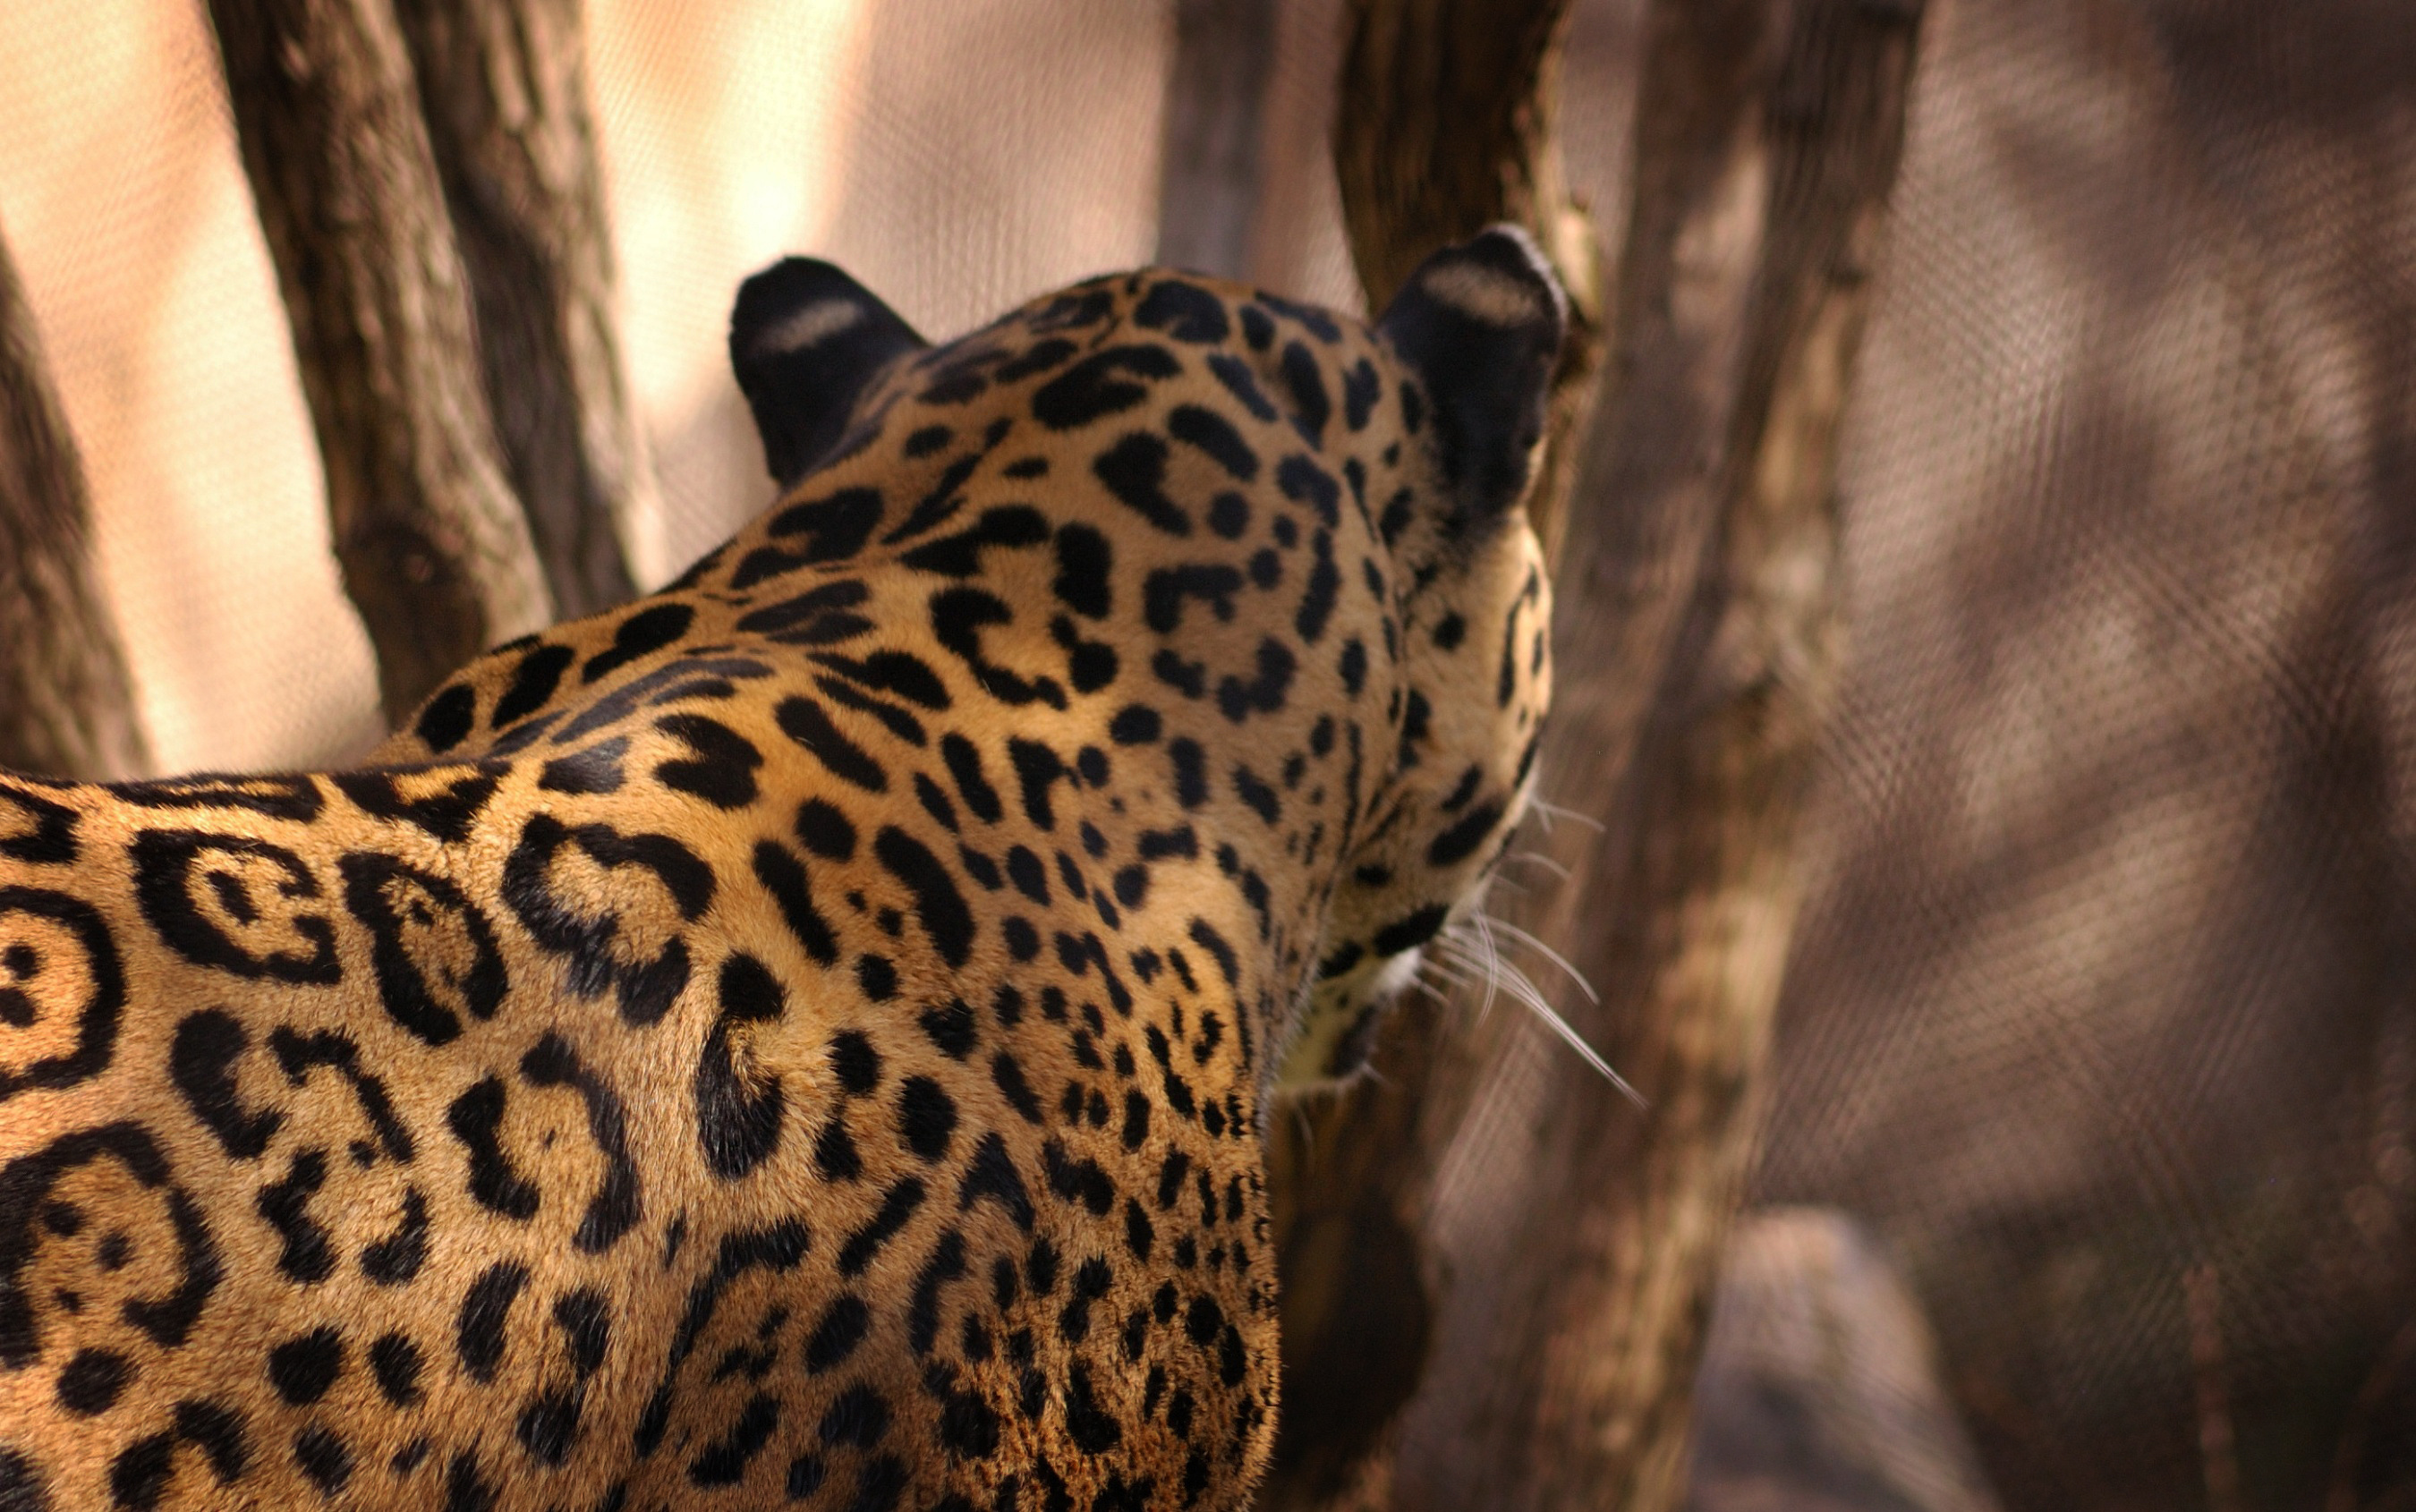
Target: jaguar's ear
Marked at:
1481, 324
805, 341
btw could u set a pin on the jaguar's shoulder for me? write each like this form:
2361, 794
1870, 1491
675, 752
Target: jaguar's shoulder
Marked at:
804, 1034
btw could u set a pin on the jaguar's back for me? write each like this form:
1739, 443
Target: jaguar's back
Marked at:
804, 1036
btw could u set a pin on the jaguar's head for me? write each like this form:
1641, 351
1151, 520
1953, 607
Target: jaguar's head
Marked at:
1479, 330
1289, 566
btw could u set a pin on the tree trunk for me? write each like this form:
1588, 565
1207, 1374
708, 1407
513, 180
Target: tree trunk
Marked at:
434, 549
503, 87
1216, 109
1566, 1244
65, 706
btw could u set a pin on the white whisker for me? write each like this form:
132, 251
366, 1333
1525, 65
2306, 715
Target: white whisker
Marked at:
1548, 954
1496, 969
1550, 811
1539, 858
1468, 973
1462, 970
1483, 955
1577, 1042
1462, 965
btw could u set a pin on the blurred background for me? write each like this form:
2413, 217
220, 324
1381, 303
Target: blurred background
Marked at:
2097, 1031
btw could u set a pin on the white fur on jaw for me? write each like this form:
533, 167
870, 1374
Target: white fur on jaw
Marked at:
1396, 975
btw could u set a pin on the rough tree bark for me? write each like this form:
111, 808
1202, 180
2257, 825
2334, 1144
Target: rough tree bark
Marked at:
66, 709
1215, 109
1566, 1244
502, 88
434, 549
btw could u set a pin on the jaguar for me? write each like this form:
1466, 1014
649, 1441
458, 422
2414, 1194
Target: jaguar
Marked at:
804, 1036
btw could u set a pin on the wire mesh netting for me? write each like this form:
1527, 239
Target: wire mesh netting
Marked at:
2098, 1020
2098, 1011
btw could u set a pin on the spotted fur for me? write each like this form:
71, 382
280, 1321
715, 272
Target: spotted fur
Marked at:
801, 1039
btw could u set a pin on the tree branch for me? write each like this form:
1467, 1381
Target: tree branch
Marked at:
66, 709
1224, 50
434, 549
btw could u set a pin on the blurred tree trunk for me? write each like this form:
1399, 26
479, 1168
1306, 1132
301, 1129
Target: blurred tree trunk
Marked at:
1566, 1243
66, 709
434, 549
503, 87
1215, 109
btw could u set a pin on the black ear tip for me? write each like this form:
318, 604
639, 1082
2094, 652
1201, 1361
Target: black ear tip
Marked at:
805, 341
